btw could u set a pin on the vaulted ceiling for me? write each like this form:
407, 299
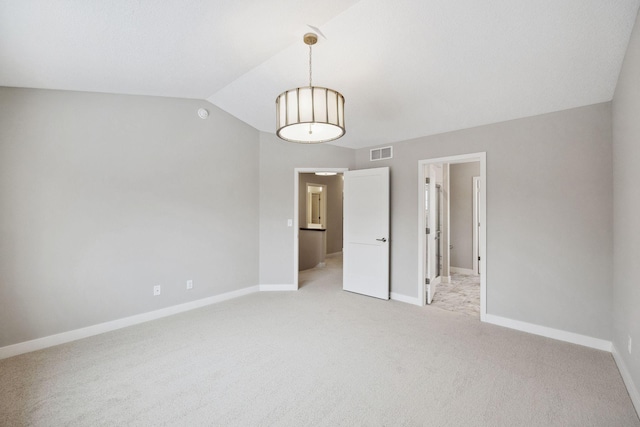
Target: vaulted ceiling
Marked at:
407, 68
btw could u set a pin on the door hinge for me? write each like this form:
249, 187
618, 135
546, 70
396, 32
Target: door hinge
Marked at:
426, 282
428, 230
426, 180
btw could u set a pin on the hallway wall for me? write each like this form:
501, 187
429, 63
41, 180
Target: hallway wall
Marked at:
461, 213
278, 160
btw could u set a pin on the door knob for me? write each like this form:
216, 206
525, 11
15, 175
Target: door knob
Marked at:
382, 240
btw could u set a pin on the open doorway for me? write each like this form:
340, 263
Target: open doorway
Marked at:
318, 223
452, 232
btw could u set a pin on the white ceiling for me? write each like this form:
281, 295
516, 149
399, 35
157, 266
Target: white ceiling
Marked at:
407, 68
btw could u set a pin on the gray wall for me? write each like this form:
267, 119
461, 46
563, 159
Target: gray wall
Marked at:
334, 206
278, 159
626, 207
334, 212
311, 248
549, 218
461, 213
104, 196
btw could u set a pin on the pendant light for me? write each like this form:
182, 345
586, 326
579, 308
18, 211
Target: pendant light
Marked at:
311, 114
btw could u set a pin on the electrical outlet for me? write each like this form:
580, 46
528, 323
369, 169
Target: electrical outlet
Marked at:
189, 284
629, 344
156, 290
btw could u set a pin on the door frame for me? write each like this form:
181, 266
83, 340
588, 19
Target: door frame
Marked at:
476, 220
464, 158
296, 215
308, 203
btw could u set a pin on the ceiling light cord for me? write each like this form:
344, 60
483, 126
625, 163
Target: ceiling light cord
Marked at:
310, 131
310, 85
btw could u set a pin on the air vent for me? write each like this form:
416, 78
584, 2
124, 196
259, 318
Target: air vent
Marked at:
381, 153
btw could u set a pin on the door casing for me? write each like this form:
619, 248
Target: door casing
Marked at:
476, 220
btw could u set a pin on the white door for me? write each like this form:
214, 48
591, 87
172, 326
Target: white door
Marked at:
429, 189
366, 232
433, 212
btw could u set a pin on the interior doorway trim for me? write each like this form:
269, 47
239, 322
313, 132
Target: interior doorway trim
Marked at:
464, 158
476, 222
296, 213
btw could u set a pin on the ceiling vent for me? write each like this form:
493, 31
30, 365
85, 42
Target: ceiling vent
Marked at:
381, 153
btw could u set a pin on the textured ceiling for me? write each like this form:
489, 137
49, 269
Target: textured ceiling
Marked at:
407, 68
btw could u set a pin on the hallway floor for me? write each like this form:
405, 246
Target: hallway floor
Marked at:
462, 295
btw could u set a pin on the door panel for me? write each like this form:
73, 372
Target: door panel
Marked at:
433, 215
366, 232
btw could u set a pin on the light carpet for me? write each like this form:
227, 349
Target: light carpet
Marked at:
319, 356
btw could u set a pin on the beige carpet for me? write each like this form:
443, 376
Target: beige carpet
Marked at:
319, 356
462, 295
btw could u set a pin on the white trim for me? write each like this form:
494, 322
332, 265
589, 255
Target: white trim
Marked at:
544, 331
76, 334
474, 225
403, 298
460, 270
296, 208
277, 288
323, 206
626, 377
464, 158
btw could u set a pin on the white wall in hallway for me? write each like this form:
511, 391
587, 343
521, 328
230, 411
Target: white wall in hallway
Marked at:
461, 213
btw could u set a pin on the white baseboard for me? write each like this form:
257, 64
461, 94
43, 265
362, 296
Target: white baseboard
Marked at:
275, 288
404, 298
544, 331
460, 270
626, 377
76, 334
